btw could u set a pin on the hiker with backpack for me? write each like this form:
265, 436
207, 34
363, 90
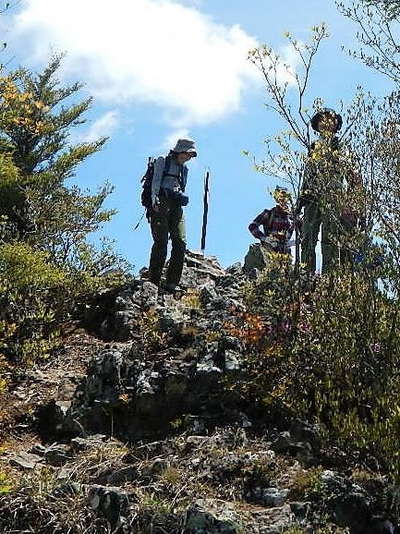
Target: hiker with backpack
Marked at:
164, 198
276, 223
328, 196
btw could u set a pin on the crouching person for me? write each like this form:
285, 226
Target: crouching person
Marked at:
167, 216
274, 228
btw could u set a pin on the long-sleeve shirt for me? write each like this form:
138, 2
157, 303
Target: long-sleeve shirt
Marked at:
275, 222
170, 180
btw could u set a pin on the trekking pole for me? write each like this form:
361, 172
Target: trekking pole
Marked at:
205, 211
297, 233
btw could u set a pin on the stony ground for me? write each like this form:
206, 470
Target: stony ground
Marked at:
132, 428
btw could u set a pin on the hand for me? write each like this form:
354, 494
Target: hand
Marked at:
156, 204
268, 241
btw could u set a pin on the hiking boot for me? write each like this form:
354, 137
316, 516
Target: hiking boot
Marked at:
170, 288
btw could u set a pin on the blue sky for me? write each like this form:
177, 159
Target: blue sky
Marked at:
160, 68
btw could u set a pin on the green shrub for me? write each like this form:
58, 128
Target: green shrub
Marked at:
5, 484
326, 348
48, 270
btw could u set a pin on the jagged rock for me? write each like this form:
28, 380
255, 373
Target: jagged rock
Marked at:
352, 511
58, 454
300, 509
38, 449
274, 520
148, 295
117, 477
199, 269
256, 259
207, 293
26, 460
119, 313
337, 485
123, 325
208, 373
128, 393
67, 489
143, 393
104, 377
232, 361
172, 320
110, 502
207, 516
350, 506
304, 432
269, 497
284, 443
235, 269
380, 526
125, 308
83, 444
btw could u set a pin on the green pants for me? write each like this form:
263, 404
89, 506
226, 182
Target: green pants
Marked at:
169, 221
313, 219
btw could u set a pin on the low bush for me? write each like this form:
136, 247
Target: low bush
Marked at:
326, 348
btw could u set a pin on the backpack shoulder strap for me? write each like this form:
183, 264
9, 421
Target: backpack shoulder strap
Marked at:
167, 165
181, 179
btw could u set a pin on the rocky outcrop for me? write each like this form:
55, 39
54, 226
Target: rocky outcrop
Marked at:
255, 260
153, 435
226, 481
174, 361
116, 315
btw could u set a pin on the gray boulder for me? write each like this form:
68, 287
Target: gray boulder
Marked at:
26, 460
268, 497
348, 503
206, 516
109, 502
256, 259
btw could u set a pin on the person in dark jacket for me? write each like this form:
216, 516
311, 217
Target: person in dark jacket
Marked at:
167, 216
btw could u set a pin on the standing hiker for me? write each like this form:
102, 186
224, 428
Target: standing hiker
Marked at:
166, 213
276, 223
329, 176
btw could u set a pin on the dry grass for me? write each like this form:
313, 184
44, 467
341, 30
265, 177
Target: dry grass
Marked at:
305, 483
91, 464
191, 299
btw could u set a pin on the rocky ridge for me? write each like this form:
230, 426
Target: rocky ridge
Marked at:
153, 440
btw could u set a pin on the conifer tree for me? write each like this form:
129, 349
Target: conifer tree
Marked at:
37, 115
48, 270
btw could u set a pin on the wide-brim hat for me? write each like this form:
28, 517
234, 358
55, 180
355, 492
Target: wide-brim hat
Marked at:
185, 145
326, 111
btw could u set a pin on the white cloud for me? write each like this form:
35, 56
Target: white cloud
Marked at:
196, 3
172, 138
154, 51
102, 127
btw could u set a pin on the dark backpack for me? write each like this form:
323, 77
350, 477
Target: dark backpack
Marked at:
147, 181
